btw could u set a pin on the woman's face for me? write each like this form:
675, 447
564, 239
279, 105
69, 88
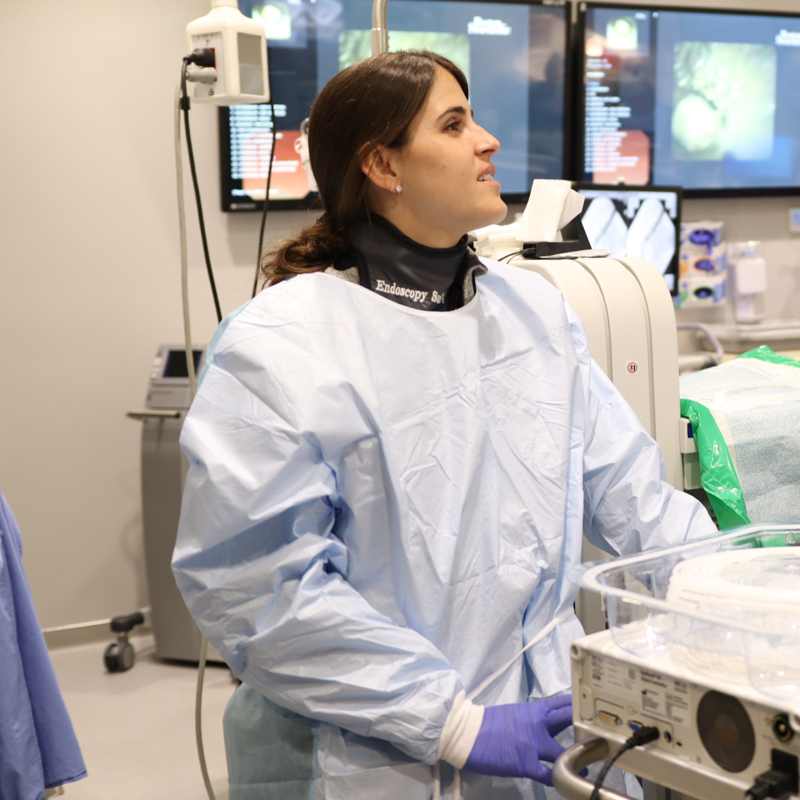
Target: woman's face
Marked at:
445, 171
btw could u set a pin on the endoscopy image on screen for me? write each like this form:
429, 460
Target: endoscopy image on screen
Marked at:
702, 99
724, 101
512, 53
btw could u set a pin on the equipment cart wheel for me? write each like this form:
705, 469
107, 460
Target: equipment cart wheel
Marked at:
119, 655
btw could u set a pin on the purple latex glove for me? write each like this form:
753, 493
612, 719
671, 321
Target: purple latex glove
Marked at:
514, 740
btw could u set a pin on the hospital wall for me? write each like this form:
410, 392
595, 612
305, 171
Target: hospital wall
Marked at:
89, 260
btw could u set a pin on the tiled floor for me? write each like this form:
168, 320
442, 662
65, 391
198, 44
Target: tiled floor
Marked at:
136, 728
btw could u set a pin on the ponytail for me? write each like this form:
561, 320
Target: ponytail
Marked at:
314, 249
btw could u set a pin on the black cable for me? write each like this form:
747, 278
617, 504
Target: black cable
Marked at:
526, 251
185, 109
266, 196
642, 736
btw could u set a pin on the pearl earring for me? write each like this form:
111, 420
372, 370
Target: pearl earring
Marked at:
398, 188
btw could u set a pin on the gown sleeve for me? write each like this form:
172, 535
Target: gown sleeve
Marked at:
263, 572
628, 504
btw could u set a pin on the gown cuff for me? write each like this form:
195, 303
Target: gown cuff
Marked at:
460, 731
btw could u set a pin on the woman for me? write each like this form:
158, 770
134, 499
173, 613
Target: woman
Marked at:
394, 455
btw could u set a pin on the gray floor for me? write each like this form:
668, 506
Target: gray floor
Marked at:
136, 728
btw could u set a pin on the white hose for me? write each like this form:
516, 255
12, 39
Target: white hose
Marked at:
705, 359
198, 716
187, 326
187, 333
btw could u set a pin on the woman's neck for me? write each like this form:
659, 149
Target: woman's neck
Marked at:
408, 272
422, 232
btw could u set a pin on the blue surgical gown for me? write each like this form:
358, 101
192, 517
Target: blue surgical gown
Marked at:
383, 505
38, 748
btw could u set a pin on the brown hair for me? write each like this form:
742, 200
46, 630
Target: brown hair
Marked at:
370, 103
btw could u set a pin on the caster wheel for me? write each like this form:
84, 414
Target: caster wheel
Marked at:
110, 658
118, 657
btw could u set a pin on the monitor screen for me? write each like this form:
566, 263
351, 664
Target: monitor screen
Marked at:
635, 221
704, 99
176, 366
513, 54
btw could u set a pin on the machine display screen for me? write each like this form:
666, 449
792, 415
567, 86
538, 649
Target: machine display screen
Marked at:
631, 221
176, 367
704, 99
513, 54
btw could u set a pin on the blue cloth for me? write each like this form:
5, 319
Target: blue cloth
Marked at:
514, 739
38, 748
384, 504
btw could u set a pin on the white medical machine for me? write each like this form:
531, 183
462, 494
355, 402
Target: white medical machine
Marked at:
703, 645
238, 69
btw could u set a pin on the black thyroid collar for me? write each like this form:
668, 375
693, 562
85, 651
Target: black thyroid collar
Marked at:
407, 272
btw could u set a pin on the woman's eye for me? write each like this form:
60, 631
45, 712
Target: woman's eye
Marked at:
453, 126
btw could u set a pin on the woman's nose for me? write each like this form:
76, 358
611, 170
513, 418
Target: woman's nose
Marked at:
485, 142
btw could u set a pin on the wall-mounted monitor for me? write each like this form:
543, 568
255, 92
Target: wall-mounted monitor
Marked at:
635, 221
513, 53
704, 99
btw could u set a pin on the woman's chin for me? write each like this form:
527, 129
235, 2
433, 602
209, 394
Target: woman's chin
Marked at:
494, 215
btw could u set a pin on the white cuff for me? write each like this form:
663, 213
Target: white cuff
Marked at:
460, 731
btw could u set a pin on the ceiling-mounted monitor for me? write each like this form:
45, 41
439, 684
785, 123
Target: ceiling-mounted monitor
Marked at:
700, 98
513, 53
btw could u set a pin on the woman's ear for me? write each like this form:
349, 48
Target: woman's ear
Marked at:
377, 163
